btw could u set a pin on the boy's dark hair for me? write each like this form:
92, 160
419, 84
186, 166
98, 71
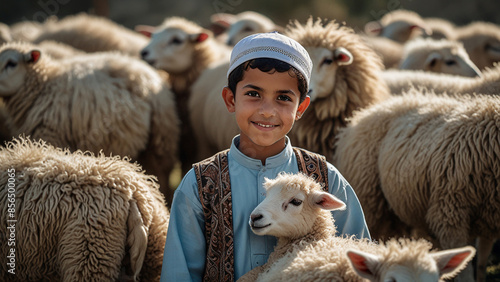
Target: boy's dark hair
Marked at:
268, 65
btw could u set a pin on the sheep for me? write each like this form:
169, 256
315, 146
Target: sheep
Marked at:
345, 77
482, 42
5, 35
389, 50
247, 23
100, 101
427, 162
92, 34
58, 50
440, 28
296, 211
4, 130
28, 30
441, 56
184, 49
78, 217
398, 25
400, 81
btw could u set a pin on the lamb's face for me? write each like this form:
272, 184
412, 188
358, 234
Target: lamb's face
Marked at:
451, 61
291, 207
325, 66
171, 50
13, 69
483, 49
245, 27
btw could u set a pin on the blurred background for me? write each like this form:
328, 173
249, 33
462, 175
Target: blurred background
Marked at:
152, 12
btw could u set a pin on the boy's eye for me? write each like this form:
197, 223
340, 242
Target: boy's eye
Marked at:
284, 98
252, 94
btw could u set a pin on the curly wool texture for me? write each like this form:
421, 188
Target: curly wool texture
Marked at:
357, 85
92, 34
100, 101
428, 162
71, 212
326, 260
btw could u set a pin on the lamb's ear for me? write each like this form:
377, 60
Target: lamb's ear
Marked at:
199, 37
373, 28
327, 201
146, 30
364, 264
32, 56
451, 262
342, 56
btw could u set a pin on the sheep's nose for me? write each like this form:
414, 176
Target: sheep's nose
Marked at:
144, 53
255, 217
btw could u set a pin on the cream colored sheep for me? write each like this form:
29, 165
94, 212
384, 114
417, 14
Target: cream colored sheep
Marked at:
58, 50
345, 77
78, 217
428, 162
389, 50
99, 101
5, 35
440, 28
482, 42
441, 56
399, 25
28, 30
400, 81
247, 23
296, 211
5, 134
184, 49
93, 34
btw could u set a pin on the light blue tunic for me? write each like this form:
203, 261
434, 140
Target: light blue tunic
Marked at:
184, 255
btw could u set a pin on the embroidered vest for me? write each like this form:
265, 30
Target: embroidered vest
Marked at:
212, 176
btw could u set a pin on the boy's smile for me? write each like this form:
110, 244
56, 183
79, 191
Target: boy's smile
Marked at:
265, 106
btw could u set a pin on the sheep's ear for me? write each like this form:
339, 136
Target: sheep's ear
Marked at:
373, 28
199, 37
146, 30
342, 56
364, 264
32, 56
432, 60
450, 262
327, 201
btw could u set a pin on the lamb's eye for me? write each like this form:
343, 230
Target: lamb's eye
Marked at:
10, 64
176, 41
296, 202
327, 61
450, 62
248, 29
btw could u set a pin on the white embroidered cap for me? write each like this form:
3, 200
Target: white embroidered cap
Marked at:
271, 45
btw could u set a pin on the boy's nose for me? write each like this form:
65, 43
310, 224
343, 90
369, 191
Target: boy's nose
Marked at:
267, 109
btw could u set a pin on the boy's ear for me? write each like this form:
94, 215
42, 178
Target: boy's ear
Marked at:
228, 97
303, 107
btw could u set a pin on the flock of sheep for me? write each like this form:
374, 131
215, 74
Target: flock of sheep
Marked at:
408, 111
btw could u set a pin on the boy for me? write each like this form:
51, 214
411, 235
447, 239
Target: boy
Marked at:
208, 236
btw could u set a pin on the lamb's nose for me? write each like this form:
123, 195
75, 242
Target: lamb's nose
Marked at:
255, 217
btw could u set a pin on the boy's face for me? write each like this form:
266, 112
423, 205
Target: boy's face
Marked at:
265, 105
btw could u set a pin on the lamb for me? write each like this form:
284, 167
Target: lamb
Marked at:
308, 251
398, 25
482, 42
400, 81
441, 56
444, 151
247, 23
78, 217
440, 28
99, 101
184, 49
92, 34
58, 50
5, 35
345, 77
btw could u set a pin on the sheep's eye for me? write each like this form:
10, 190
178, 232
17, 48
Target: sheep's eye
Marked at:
327, 61
450, 62
176, 41
296, 202
248, 29
10, 64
